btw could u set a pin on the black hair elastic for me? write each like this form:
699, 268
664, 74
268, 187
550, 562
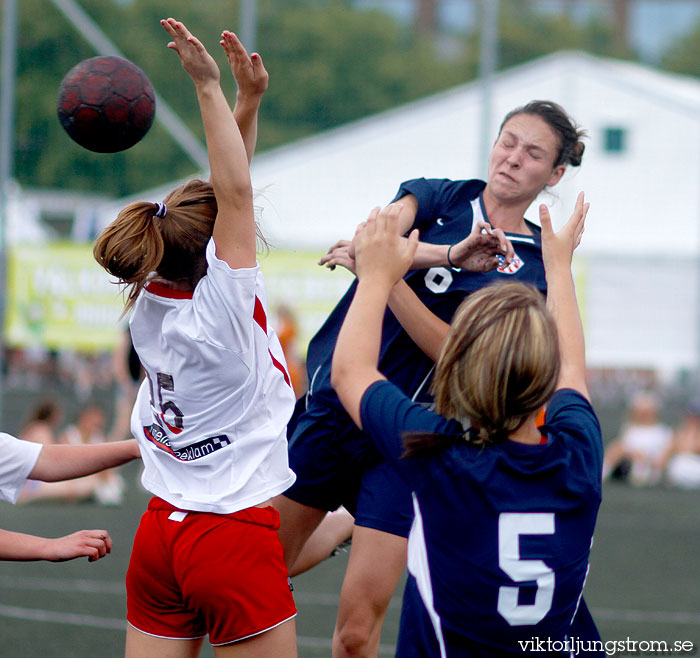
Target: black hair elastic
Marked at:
162, 210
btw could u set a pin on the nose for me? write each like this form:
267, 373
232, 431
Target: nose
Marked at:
514, 158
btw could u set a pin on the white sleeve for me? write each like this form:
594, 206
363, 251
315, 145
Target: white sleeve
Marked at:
227, 293
18, 460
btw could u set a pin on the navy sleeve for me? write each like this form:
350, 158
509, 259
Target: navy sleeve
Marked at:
570, 413
387, 413
430, 193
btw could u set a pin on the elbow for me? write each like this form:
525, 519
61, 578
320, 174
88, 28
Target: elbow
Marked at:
342, 373
234, 191
337, 370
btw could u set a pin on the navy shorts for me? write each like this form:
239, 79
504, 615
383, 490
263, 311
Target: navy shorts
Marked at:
337, 464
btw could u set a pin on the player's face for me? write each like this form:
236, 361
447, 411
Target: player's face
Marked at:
522, 160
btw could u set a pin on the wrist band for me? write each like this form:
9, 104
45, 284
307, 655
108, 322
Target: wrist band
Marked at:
449, 262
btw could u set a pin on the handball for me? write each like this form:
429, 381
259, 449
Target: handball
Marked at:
106, 104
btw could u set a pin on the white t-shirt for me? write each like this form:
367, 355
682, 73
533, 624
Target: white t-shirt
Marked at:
18, 460
212, 413
648, 440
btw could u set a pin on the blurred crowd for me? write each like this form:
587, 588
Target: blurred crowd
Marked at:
45, 425
648, 451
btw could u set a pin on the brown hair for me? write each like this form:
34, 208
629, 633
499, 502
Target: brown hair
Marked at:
45, 411
140, 241
571, 147
499, 365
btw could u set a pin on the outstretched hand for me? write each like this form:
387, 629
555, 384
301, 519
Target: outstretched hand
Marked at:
341, 253
380, 251
249, 71
92, 544
483, 250
193, 55
558, 248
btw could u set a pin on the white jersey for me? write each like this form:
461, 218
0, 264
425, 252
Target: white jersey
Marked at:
212, 413
651, 441
18, 460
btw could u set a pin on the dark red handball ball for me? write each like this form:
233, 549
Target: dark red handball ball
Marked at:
106, 104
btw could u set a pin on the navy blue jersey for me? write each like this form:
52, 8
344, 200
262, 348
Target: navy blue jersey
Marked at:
501, 538
446, 211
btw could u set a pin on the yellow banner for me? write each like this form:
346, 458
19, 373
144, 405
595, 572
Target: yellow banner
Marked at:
58, 296
295, 281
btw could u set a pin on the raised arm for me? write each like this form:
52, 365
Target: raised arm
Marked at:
426, 329
557, 252
383, 257
252, 80
234, 229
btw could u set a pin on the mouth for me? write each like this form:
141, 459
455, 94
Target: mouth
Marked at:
506, 176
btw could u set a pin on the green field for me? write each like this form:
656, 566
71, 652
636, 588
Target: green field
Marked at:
643, 582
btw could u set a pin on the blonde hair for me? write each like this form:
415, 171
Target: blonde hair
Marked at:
142, 240
499, 365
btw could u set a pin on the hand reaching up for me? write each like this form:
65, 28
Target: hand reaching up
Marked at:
193, 55
249, 71
381, 252
558, 248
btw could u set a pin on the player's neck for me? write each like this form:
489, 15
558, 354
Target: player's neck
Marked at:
527, 432
506, 216
174, 285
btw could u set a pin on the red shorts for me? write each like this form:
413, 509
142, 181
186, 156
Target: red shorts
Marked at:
215, 574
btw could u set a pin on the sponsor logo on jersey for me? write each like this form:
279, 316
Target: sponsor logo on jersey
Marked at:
157, 435
513, 267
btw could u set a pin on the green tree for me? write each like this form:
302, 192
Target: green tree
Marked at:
527, 34
684, 54
329, 64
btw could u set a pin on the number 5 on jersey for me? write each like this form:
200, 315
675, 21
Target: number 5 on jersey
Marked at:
510, 527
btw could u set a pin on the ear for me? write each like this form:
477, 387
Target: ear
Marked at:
556, 175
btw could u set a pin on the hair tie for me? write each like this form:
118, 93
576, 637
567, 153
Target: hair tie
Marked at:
162, 209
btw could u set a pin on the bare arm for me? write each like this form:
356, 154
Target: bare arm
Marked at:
382, 259
557, 251
234, 229
481, 251
252, 80
65, 462
425, 328
17, 546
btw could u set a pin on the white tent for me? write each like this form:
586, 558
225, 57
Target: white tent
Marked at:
639, 264
318, 189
